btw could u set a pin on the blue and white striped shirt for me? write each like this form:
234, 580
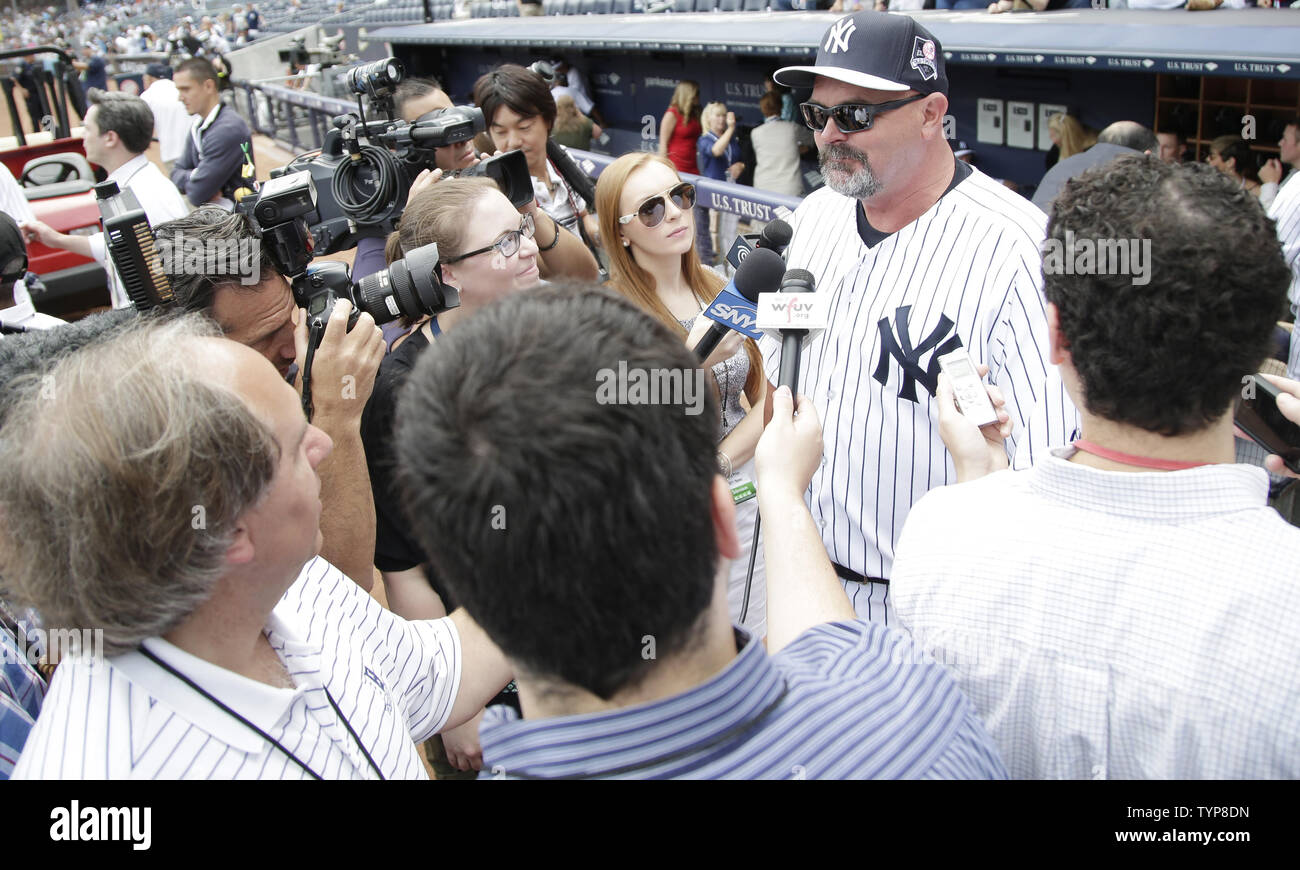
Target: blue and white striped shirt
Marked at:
850, 700
127, 718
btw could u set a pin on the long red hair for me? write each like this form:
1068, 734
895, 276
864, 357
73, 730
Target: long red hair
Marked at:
638, 285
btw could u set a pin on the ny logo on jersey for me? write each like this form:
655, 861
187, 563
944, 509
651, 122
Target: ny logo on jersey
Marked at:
374, 678
909, 358
837, 39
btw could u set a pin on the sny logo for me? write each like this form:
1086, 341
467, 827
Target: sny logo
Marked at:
909, 358
837, 39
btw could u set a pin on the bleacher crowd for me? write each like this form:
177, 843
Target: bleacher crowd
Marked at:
478, 530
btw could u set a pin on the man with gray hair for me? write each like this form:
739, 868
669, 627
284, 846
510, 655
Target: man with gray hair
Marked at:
1118, 139
119, 129
163, 497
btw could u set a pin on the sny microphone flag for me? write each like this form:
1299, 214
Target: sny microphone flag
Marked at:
734, 312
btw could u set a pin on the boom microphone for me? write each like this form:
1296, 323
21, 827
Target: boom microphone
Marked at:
733, 307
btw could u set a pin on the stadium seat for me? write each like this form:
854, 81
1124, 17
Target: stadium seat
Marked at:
755, 5
554, 7
587, 7
604, 7
573, 7
705, 5
685, 6
728, 5
500, 8
622, 7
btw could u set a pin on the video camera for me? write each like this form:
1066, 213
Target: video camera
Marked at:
330, 54
364, 169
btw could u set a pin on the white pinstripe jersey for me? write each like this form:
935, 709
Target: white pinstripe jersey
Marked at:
968, 272
127, 718
1285, 211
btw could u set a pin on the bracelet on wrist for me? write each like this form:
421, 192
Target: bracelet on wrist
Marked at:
724, 464
556, 240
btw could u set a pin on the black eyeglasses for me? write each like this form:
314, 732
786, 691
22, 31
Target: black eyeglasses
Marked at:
508, 244
652, 211
849, 117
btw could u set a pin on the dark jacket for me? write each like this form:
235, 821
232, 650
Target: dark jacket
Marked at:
218, 170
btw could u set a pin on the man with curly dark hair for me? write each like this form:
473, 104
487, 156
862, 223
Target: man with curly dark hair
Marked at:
1127, 607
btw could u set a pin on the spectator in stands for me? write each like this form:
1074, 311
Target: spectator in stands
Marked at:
570, 80
719, 158
264, 316
572, 128
789, 111
172, 122
1038, 5
1279, 170
160, 422
1118, 139
651, 679
212, 167
1089, 620
119, 128
1069, 137
778, 145
488, 251
1231, 155
28, 78
646, 214
530, 7
520, 113
94, 71
679, 134
1173, 145
254, 20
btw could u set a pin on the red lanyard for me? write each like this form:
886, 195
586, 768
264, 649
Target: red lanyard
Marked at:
1138, 461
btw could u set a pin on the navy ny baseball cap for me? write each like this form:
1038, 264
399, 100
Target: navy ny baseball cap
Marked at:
884, 51
159, 70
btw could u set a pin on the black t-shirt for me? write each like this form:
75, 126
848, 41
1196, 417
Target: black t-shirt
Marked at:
871, 236
395, 548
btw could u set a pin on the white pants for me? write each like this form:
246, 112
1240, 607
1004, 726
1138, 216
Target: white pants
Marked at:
752, 612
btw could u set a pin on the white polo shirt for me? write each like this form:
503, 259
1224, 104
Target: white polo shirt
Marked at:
1113, 624
158, 197
395, 681
171, 123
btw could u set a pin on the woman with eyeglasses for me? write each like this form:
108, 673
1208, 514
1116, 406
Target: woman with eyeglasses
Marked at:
647, 219
487, 252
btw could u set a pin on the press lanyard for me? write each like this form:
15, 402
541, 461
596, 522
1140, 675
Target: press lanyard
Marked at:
267, 737
1136, 461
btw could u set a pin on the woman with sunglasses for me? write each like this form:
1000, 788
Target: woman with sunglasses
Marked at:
647, 219
487, 252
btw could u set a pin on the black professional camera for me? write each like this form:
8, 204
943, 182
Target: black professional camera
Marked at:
364, 169
411, 287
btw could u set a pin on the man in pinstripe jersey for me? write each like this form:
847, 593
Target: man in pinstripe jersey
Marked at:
919, 254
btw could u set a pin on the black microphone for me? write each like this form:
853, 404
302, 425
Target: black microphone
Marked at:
760, 272
579, 181
775, 236
795, 281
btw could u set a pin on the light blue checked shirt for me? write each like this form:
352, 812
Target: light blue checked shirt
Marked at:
851, 700
22, 689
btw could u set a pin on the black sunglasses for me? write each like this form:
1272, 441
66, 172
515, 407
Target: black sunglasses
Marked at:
849, 117
652, 211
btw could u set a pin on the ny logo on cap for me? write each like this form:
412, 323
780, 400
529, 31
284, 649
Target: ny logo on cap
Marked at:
837, 39
923, 58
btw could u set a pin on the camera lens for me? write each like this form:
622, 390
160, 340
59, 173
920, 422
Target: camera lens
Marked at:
408, 288
378, 78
